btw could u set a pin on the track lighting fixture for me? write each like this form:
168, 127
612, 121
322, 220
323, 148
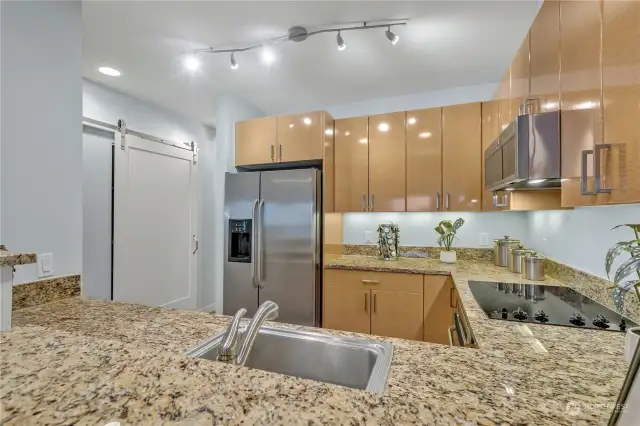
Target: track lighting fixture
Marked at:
298, 34
341, 45
391, 36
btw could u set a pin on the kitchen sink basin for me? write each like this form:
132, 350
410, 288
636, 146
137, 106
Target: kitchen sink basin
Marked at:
355, 363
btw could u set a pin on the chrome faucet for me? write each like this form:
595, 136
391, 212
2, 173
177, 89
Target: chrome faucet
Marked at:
228, 351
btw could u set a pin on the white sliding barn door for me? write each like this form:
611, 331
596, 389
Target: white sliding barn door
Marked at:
155, 224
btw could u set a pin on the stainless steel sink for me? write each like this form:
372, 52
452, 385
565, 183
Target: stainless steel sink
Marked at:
354, 363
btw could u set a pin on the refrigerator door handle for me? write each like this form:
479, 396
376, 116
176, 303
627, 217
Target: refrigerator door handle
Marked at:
254, 245
259, 256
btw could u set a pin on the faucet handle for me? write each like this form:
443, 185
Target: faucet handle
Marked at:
228, 349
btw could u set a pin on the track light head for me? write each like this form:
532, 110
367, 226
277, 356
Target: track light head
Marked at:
391, 36
234, 64
340, 40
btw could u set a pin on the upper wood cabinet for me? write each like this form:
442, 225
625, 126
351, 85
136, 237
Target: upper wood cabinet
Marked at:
424, 160
256, 141
621, 94
461, 157
490, 132
519, 78
301, 137
352, 164
387, 178
544, 42
503, 96
328, 166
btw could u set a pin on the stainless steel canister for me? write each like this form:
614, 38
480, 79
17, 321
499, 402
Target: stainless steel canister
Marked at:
501, 250
516, 255
533, 267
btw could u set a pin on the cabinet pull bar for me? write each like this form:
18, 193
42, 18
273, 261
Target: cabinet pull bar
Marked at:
365, 302
437, 200
452, 298
272, 158
374, 302
370, 282
583, 173
364, 202
451, 335
280, 150
597, 181
446, 202
371, 202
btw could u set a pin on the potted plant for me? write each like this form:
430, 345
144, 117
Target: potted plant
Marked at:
626, 278
447, 232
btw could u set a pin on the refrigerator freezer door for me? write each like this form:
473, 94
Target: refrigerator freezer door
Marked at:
290, 244
242, 190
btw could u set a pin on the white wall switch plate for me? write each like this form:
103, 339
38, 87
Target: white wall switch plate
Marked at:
369, 237
484, 239
45, 265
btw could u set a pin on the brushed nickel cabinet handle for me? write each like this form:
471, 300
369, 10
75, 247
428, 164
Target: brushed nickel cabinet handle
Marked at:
437, 200
446, 202
280, 150
364, 202
452, 298
583, 173
371, 203
374, 302
597, 181
451, 335
365, 302
370, 282
272, 158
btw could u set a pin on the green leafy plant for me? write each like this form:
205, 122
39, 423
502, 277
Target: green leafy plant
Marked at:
447, 232
630, 266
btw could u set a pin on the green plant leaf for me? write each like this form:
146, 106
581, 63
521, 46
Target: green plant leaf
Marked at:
458, 223
635, 227
614, 252
439, 230
627, 268
446, 224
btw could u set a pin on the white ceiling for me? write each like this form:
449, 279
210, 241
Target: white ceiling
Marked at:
446, 44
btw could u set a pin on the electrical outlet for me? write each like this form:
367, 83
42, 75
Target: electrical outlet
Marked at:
45, 265
484, 239
369, 237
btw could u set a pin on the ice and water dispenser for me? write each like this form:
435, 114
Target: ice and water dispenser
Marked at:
240, 240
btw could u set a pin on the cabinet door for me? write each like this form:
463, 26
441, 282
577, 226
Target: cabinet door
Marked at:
387, 178
503, 96
621, 93
424, 160
519, 78
256, 141
545, 57
462, 148
396, 314
490, 132
439, 306
347, 309
580, 83
351, 164
328, 166
300, 137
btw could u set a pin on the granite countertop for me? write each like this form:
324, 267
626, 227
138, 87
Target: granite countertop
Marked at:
8, 258
91, 362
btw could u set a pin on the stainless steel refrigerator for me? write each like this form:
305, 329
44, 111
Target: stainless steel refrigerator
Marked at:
273, 243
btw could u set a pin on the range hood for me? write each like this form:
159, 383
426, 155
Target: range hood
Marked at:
526, 155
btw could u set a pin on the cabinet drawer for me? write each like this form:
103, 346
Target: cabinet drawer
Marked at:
384, 281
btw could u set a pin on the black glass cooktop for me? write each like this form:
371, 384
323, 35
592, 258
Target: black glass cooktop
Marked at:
545, 304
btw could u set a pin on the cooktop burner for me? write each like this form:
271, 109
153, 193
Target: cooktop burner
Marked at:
545, 304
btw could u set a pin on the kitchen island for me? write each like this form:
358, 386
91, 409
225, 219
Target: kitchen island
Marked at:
90, 362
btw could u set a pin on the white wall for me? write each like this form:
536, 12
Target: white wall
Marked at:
104, 104
229, 109
417, 229
581, 237
41, 132
452, 96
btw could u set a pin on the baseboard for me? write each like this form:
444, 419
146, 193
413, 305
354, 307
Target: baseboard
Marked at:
210, 308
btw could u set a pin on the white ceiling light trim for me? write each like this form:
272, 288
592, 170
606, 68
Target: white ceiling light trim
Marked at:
299, 34
112, 72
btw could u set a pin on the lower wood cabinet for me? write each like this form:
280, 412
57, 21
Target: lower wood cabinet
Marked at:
396, 314
348, 308
439, 306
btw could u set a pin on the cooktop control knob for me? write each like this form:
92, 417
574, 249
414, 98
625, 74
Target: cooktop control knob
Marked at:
600, 321
622, 324
519, 314
576, 319
541, 316
504, 313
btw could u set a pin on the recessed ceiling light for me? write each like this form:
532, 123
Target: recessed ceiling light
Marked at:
109, 71
383, 127
411, 120
363, 140
424, 135
191, 63
306, 121
534, 181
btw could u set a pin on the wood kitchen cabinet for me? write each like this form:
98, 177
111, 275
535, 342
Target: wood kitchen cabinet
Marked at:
351, 164
503, 96
544, 39
387, 177
519, 79
301, 136
490, 132
424, 160
391, 302
256, 141
462, 157
439, 306
621, 95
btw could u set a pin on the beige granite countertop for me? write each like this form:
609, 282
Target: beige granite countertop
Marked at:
89, 362
8, 258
